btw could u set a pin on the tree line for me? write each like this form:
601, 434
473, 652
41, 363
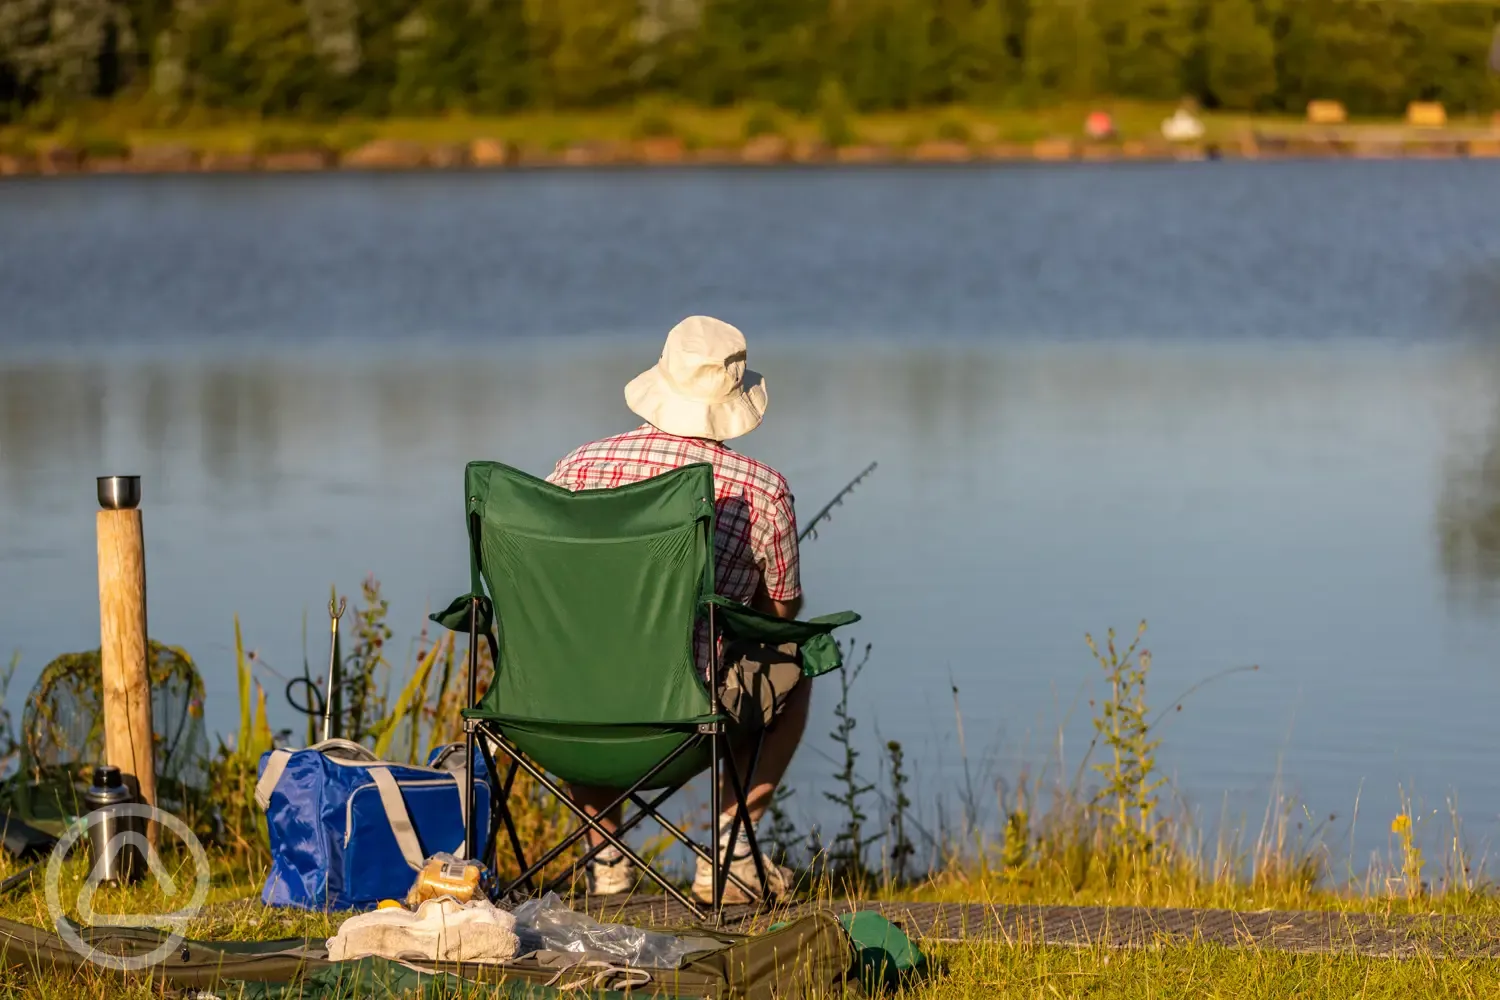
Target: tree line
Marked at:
381, 57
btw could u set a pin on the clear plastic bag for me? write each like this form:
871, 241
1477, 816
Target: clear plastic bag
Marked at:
547, 924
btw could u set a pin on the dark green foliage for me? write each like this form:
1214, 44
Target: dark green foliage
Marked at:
148, 19
11, 94
881, 49
900, 53
653, 120
1147, 44
369, 90
764, 49
1241, 55
846, 855
1064, 50
312, 58
63, 51
901, 846
587, 50
1349, 51
364, 681
781, 838
990, 66
762, 120
953, 130
1446, 54
447, 55
252, 55
968, 54
833, 114
501, 43
435, 58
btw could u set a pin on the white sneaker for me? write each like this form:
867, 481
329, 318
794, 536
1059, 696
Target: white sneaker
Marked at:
610, 873
779, 878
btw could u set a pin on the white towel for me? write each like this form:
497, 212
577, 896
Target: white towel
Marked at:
441, 930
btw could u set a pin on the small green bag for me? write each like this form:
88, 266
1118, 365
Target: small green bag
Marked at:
885, 958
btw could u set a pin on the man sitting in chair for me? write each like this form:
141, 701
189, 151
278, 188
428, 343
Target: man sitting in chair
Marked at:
699, 395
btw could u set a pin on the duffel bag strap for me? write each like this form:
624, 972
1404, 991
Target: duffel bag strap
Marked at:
398, 817
461, 773
275, 765
342, 749
452, 760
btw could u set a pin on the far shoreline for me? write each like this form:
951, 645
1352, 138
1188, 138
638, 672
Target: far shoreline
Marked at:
121, 139
765, 151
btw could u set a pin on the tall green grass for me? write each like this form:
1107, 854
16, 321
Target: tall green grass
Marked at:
1102, 829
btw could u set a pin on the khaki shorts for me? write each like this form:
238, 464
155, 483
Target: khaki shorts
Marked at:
758, 680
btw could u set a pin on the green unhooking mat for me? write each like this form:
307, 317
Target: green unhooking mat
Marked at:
797, 959
190, 963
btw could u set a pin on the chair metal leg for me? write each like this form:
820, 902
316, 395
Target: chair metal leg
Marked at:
686, 841
644, 808
714, 680
647, 810
593, 851
591, 823
626, 824
714, 842
509, 820
742, 815
742, 812
501, 810
471, 848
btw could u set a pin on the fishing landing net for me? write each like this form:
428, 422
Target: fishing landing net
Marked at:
62, 738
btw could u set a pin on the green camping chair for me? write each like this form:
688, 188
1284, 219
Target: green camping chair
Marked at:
596, 597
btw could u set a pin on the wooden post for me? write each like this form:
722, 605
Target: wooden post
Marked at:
122, 636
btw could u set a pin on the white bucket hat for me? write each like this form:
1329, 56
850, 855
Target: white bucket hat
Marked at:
700, 388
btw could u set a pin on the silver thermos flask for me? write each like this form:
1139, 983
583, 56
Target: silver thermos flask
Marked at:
116, 853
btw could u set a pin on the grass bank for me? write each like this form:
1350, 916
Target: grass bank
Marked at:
114, 136
127, 125
1021, 971
988, 968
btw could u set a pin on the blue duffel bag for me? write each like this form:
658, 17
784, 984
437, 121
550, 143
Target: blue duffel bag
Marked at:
348, 830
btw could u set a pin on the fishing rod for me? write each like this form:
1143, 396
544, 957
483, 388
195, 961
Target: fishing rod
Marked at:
811, 527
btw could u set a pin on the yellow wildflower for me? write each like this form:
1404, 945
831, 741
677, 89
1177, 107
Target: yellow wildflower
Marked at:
1401, 824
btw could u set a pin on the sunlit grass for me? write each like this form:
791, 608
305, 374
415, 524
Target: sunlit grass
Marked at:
232, 910
1026, 971
986, 968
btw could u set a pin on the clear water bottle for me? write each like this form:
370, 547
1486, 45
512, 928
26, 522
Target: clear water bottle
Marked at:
115, 840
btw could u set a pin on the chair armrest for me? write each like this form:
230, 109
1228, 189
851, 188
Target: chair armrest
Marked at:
820, 652
455, 617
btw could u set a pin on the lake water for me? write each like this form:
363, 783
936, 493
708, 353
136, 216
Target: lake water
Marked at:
1256, 404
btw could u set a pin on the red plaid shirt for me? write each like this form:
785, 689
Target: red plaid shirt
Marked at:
756, 538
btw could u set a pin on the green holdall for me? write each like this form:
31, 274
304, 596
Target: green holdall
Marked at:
885, 958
